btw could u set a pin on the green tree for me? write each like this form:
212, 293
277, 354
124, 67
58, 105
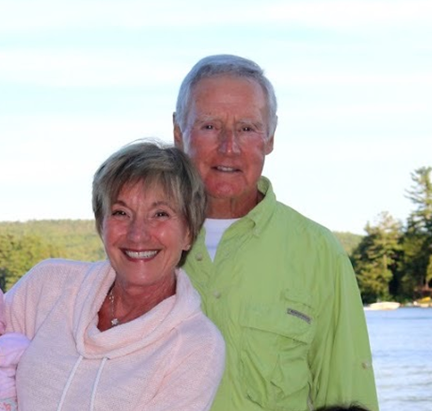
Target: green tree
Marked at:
421, 195
348, 240
18, 254
77, 239
375, 258
417, 238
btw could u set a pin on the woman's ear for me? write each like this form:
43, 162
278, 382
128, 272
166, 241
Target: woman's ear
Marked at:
187, 241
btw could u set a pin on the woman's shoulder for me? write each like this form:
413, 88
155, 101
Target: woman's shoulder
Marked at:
59, 267
55, 273
201, 325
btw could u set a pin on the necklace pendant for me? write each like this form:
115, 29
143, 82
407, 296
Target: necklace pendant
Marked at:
114, 322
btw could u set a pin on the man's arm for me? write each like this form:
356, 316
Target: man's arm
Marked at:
340, 358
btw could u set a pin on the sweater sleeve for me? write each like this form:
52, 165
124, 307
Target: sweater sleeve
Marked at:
341, 356
20, 303
12, 346
2, 313
29, 300
194, 378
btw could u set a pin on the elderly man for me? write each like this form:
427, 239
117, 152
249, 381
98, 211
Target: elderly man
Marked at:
278, 285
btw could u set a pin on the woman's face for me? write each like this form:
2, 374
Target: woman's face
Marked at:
144, 235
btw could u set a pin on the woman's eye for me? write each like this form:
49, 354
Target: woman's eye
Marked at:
208, 127
161, 214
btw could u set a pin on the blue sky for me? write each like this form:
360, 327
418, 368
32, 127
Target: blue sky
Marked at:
78, 79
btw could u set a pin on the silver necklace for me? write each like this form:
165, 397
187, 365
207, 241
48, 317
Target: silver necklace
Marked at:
114, 320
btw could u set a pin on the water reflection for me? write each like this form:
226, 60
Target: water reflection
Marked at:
401, 343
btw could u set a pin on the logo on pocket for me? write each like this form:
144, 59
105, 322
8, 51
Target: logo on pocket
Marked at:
299, 315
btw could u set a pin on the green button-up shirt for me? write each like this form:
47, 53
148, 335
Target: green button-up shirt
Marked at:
283, 293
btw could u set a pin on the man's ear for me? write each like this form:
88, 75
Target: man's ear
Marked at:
269, 144
178, 135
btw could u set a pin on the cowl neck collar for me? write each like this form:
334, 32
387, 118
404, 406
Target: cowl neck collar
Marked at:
134, 335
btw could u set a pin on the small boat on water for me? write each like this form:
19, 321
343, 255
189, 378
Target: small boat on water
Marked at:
383, 305
424, 302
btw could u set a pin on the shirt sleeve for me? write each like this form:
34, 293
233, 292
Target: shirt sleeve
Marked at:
340, 357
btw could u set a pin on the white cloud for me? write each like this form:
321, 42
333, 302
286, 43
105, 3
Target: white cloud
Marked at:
67, 147
350, 110
81, 68
343, 78
31, 15
94, 14
71, 68
347, 14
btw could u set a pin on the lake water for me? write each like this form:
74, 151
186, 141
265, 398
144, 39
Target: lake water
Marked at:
401, 342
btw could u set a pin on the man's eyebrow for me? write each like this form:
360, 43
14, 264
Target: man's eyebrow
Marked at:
246, 120
251, 121
258, 125
205, 118
119, 202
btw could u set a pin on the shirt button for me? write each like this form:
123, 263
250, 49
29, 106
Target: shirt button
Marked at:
216, 294
366, 365
199, 257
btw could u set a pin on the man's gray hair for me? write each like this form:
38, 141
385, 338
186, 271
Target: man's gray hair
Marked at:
230, 65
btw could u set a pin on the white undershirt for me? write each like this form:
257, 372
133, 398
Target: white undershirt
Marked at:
214, 232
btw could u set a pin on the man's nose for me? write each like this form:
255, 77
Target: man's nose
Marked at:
229, 143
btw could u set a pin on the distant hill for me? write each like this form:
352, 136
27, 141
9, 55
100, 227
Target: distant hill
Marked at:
349, 241
78, 240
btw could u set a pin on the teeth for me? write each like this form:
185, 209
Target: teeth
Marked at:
141, 254
223, 168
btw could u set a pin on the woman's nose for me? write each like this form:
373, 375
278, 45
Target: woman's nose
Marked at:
138, 230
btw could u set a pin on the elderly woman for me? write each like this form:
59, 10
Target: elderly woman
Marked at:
127, 333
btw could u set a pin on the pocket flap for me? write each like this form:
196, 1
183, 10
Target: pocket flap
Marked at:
289, 318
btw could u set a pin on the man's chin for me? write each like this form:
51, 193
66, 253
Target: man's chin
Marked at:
225, 192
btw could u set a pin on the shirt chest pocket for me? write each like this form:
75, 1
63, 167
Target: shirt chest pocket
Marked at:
275, 342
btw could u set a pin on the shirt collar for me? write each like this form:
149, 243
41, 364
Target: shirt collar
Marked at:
262, 212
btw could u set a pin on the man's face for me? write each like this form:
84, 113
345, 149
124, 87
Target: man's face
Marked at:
226, 136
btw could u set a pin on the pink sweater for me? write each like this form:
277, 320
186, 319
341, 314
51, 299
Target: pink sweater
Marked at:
170, 359
12, 346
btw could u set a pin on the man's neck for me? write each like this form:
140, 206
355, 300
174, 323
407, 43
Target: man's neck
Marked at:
223, 208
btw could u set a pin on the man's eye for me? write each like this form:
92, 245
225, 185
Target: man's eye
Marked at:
209, 127
162, 214
247, 129
118, 213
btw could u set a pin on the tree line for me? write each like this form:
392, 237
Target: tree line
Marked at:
392, 261
22, 245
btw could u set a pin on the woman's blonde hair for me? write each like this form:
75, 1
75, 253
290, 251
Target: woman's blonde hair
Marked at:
157, 164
